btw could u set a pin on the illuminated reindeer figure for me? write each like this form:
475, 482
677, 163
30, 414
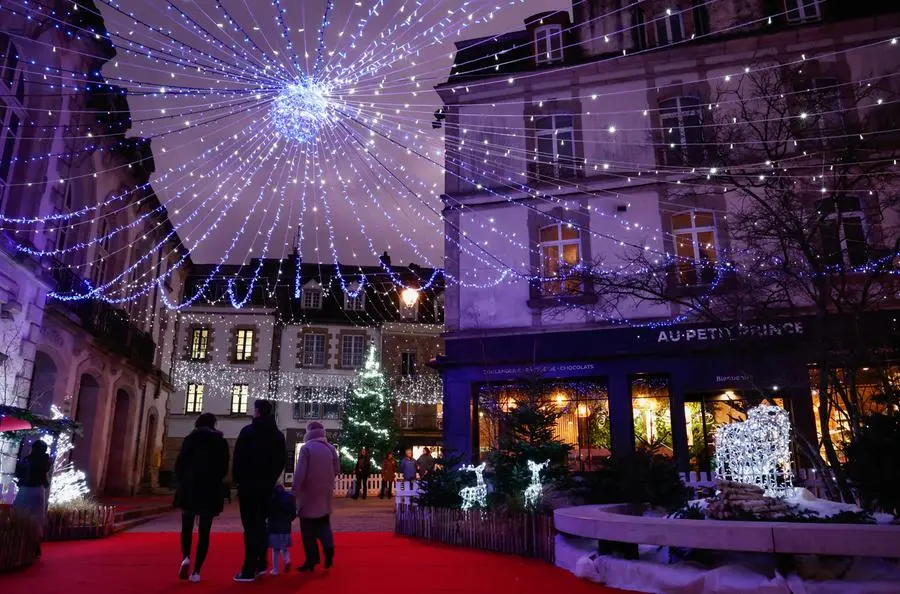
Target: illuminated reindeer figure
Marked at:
533, 491
477, 495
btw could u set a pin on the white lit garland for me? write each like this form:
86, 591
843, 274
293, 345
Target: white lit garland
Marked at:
535, 489
474, 496
757, 451
422, 389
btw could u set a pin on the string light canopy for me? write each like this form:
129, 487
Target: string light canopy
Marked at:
295, 129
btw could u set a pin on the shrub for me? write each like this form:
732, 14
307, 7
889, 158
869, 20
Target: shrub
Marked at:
641, 478
441, 486
873, 466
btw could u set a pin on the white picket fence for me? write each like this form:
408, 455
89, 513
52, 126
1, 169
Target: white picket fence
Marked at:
405, 492
345, 484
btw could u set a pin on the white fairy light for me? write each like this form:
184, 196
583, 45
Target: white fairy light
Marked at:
474, 496
535, 489
67, 484
757, 451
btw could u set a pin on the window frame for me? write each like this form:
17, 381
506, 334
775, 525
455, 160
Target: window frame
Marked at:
12, 109
699, 18
348, 356
822, 87
839, 217
241, 392
638, 29
193, 399
554, 287
239, 354
199, 343
796, 14
558, 168
307, 360
409, 365
308, 294
694, 230
356, 303
664, 30
549, 33
679, 114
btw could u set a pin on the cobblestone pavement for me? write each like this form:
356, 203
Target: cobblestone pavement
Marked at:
369, 515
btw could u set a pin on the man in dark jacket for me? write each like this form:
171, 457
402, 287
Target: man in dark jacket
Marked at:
259, 459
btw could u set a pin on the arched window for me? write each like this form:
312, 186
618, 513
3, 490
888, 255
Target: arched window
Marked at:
560, 248
696, 246
682, 130
12, 114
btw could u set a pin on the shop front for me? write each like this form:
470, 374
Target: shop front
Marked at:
622, 389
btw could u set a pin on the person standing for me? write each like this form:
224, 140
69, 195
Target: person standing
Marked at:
388, 475
282, 511
426, 463
408, 468
317, 468
33, 474
363, 470
259, 459
200, 470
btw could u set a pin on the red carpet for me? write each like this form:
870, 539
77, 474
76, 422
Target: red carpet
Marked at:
365, 563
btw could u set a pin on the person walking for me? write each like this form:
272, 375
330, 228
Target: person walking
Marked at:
363, 470
33, 474
425, 463
388, 475
200, 470
282, 511
408, 468
259, 459
317, 467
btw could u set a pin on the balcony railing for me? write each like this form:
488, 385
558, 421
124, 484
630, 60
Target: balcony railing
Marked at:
109, 325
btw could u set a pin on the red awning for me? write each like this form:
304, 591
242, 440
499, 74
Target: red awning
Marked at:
14, 424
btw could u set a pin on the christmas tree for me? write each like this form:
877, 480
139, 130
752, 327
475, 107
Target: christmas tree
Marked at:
368, 420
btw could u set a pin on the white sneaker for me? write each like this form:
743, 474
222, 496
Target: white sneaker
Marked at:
195, 578
185, 568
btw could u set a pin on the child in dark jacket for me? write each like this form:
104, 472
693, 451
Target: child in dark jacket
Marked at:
282, 511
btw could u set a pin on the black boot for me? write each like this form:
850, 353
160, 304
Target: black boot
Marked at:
307, 566
329, 558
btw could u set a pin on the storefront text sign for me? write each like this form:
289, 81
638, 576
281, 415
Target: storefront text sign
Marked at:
541, 369
673, 335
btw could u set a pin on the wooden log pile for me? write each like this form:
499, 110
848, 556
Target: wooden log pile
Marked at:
734, 500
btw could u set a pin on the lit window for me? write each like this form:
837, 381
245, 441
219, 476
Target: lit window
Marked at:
560, 247
669, 28
682, 130
199, 344
240, 397
355, 303
352, 350
243, 345
843, 231
194, 402
548, 45
313, 350
802, 11
695, 246
555, 146
312, 299
408, 364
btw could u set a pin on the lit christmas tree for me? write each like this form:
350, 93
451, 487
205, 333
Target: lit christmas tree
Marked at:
368, 415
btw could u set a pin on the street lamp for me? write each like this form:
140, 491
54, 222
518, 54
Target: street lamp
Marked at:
410, 296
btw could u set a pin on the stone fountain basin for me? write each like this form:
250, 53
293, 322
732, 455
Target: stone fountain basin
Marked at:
616, 522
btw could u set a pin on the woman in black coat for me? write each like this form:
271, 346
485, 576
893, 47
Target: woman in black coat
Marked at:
200, 471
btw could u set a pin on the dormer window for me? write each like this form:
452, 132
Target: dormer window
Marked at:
355, 299
802, 11
548, 45
312, 298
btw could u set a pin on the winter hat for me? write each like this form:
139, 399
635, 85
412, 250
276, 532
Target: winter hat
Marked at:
314, 430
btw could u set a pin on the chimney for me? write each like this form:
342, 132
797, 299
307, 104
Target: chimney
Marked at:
385, 259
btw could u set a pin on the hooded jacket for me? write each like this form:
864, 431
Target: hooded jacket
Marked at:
317, 467
259, 457
200, 468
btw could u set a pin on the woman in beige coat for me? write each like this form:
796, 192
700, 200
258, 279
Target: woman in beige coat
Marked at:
317, 467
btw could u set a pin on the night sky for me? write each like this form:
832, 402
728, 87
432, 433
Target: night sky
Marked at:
202, 189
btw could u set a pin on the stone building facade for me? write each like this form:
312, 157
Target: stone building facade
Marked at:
65, 157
